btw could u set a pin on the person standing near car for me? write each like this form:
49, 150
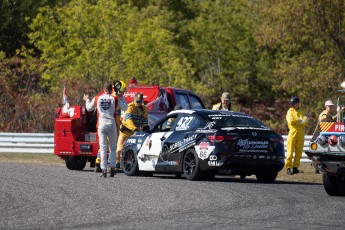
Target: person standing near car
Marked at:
105, 105
225, 103
135, 120
295, 141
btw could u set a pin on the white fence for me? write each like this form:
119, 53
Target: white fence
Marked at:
44, 143
27, 142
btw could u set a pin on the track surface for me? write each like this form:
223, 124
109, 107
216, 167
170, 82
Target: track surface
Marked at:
52, 197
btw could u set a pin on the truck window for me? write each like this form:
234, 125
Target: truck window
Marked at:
182, 99
195, 102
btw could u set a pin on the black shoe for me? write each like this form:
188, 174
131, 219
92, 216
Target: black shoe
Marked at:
112, 172
104, 173
98, 168
295, 170
317, 171
288, 171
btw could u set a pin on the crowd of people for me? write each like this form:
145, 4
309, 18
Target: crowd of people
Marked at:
113, 132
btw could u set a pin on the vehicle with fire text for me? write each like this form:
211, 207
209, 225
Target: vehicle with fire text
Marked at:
200, 144
327, 150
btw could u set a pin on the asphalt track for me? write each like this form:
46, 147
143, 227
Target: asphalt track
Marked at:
37, 196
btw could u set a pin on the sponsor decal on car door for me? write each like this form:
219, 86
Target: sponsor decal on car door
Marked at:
149, 153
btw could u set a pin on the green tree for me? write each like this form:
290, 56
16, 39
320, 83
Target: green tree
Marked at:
308, 39
108, 40
14, 19
224, 52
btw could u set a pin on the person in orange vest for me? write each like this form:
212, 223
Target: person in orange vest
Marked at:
105, 105
295, 141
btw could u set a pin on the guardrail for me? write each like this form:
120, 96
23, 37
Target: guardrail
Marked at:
27, 142
44, 143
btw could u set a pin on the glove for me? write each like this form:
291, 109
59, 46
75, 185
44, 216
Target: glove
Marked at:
305, 120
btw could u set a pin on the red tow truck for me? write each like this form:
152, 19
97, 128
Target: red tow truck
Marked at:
75, 134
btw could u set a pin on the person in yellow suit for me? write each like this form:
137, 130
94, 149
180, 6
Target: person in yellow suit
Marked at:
295, 141
135, 120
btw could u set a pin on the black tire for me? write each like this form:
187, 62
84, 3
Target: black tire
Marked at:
341, 185
266, 176
191, 167
330, 184
75, 163
130, 162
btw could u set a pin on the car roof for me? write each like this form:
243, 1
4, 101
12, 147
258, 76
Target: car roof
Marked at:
206, 112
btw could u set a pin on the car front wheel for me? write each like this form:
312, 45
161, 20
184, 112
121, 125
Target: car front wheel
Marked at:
130, 163
191, 168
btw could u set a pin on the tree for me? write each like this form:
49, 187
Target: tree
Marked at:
224, 52
108, 40
308, 40
14, 19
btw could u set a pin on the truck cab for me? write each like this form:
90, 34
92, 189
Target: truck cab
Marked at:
327, 150
75, 133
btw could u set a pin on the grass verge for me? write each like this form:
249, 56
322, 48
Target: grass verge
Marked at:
33, 158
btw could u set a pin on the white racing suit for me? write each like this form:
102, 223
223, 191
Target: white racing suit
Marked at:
106, 125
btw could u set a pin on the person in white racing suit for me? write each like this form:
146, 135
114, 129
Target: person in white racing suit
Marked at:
106, 125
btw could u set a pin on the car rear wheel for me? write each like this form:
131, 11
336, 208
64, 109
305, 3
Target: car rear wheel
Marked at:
330, 184
130, 163
266, 176
191, 168
75, 163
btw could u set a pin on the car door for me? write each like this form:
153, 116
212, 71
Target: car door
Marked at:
151, 156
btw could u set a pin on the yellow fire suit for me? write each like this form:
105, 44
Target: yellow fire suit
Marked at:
135, 118
295, 141
219, 106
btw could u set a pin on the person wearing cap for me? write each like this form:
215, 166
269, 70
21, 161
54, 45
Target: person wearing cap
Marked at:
135, 120
326, 115
295, 141
225, 103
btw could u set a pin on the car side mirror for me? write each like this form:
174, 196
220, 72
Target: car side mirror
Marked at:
146, 129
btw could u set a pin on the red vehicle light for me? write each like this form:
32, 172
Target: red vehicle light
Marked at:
219, 138
332, 140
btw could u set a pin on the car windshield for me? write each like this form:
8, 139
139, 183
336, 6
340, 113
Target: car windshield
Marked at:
236, 121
